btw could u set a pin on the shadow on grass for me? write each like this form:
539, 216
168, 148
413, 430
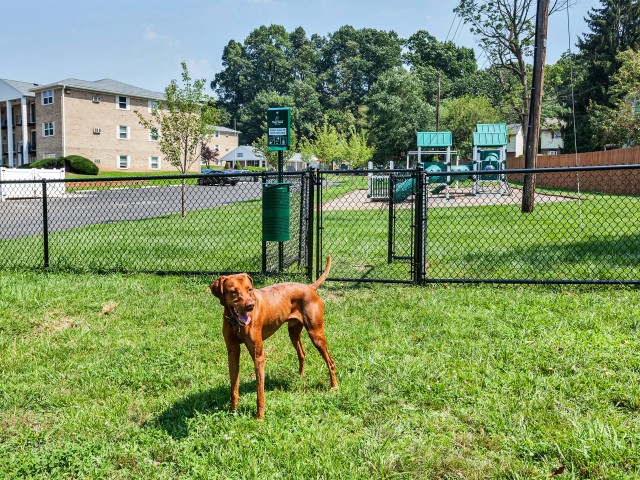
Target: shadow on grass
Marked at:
591, 258
175, 419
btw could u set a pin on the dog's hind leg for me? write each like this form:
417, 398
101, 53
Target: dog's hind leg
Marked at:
295, 329
318, 338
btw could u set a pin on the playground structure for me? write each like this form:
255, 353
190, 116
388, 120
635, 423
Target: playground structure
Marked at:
490, 153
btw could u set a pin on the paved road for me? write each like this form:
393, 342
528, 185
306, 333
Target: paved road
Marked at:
21, 217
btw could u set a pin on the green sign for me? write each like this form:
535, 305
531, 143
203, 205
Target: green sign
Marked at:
278, 128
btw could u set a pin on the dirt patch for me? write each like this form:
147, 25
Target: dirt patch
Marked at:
462, 197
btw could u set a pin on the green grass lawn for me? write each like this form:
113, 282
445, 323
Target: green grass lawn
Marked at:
125, 377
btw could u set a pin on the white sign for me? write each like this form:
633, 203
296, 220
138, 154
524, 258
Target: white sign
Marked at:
277, 131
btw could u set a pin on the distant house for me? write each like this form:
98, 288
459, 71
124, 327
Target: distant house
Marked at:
243, 156
551, 141
95, 119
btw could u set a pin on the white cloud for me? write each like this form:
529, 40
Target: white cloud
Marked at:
150, 34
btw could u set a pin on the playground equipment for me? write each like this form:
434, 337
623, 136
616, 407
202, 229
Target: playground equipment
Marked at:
490, 153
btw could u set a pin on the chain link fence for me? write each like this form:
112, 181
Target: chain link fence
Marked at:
384, 225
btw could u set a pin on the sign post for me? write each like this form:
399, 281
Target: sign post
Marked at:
279, 139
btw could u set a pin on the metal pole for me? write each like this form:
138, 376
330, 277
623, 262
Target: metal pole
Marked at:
280, 244
391, 221
418, 249
264, 243
45, 224
310, 226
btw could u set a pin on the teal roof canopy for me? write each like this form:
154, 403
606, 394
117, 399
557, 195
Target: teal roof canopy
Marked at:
434, 139
489, 139
491, 128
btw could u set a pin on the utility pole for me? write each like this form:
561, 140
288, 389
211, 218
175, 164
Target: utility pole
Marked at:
438, 108
533, 128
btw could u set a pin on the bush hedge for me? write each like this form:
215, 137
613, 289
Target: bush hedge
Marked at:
72, 163
82, 165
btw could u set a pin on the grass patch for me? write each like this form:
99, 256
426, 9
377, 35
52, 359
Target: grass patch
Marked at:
125, 376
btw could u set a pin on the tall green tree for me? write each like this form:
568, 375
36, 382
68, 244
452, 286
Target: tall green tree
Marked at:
396, 112
619, 124
351, 61
184, 122
433, 61
613, 27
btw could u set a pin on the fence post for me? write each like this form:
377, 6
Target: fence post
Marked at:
391, 234
418, 249
310, 208
264, 243
319, 221
45, 223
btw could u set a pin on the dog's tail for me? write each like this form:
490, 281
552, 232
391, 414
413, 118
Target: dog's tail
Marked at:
324, 275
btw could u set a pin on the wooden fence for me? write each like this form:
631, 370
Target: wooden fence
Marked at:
620, 182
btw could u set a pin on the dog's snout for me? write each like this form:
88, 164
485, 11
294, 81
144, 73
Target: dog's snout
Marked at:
249, 306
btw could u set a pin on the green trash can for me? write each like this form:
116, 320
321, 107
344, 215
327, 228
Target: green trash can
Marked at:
275, 212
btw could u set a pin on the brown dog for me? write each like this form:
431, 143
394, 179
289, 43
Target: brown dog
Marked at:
251, 316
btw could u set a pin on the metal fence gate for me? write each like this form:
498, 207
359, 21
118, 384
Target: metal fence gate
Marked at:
372, 223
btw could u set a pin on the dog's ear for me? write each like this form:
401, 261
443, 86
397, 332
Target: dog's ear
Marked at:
250, 279
217, 288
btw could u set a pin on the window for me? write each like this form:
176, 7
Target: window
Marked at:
123, 161
122, 102
123, 132
552, 152
32, 113
216, 148
154, 163
47, 97
153, 134
217, 134
48, 129
153, 105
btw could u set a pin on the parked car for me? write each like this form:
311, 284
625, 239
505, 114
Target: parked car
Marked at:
218, 177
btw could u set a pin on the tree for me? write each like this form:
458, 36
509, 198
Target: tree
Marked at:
327, 144
184, 122
613, 28
351, 61
432, 60
397, 111
460, 116
506, 33
356, 151
620, 123
209, 155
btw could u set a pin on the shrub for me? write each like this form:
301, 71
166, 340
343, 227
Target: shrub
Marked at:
82, 165
254, 169
48, 163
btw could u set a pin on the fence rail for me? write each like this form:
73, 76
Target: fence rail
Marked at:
414, 231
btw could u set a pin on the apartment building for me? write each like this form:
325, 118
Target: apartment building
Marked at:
17, 123
94, 119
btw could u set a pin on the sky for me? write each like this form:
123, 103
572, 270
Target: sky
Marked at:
143, 42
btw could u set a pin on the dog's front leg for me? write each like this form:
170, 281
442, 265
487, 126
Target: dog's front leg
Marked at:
233, 353
257, 353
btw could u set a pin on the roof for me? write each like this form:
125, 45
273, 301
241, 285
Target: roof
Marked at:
226, 130
22, 88
106, 85
243, 152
